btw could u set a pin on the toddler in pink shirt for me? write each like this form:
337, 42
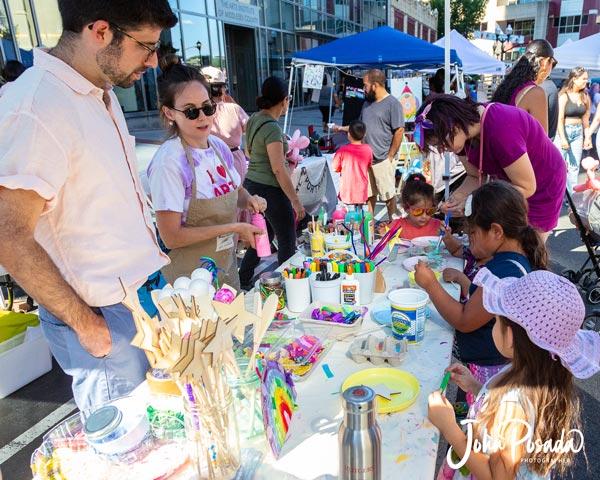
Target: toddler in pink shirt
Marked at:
353, 161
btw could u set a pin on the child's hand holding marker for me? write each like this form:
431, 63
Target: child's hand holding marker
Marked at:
463, 377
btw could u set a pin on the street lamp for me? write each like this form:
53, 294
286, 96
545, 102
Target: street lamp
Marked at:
502, 38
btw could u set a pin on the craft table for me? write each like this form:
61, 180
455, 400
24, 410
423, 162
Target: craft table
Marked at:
409, 440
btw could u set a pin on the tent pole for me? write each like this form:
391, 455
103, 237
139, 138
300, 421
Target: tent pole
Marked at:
330, 105
447, 46
447, 89
285, 119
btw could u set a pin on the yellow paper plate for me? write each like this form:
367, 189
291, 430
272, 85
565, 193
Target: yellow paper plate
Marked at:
396, 380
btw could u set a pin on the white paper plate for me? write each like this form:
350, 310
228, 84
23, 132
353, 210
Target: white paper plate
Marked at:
425, 241
410, 263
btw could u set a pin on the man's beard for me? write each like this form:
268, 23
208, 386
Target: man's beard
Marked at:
108, 61
370, 95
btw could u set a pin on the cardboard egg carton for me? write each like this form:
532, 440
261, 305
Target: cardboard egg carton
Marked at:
378, 350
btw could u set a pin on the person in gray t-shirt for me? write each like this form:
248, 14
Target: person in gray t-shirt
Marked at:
382, 114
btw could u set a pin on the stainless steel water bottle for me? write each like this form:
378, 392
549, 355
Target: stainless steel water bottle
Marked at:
359, 436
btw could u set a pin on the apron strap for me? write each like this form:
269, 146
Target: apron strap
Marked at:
190, 160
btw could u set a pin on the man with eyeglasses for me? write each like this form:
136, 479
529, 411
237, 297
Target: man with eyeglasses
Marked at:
74, 222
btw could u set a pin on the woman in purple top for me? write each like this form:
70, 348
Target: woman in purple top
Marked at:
515, 148
520, 87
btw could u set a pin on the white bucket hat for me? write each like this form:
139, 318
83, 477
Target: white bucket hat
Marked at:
550, 310
214, 75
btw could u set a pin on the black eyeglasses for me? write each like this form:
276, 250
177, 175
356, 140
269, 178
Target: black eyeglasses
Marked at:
151, 51
193, 113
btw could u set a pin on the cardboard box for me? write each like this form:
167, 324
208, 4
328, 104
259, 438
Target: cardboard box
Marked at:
23, 364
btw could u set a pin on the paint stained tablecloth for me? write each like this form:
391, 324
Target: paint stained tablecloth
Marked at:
409, 440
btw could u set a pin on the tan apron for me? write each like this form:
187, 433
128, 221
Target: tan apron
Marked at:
204, 213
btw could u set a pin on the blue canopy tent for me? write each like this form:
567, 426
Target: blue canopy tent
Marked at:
382, 47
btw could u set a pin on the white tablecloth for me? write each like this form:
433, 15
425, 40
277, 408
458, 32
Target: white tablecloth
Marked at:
409, 440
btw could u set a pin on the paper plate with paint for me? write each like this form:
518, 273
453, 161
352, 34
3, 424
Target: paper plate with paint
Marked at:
401, 387
435, 263
425, 241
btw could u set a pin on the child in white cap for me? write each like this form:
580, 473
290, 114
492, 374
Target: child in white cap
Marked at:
529, 403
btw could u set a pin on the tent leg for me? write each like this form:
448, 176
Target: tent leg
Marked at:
287, 112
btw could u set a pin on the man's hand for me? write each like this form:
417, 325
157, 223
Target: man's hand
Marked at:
95, 336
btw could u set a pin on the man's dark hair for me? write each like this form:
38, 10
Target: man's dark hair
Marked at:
376, 76
127, 14
357, 129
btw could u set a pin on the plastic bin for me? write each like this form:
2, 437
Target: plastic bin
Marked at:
24, 363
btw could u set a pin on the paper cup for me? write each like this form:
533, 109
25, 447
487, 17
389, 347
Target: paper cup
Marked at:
325, 291
367, 287
297, 291
408, 313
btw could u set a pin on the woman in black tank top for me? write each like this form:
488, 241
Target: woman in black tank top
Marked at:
573, 121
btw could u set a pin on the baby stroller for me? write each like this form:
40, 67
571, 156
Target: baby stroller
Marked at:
585, 214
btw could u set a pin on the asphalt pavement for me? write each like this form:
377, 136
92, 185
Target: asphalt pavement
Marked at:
31, 411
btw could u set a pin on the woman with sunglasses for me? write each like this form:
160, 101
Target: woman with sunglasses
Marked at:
520, 87
268, 174
573, 122
195, 188
417, 203
498, 141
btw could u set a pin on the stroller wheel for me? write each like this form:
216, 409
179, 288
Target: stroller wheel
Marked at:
572, 276
593, 294
592, 322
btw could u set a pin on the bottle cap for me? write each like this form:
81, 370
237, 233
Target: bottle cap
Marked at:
102, 422
358, 399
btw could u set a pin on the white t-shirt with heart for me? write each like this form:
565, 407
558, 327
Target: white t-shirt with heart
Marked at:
170, 176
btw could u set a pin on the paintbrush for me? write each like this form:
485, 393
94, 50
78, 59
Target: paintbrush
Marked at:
443, 232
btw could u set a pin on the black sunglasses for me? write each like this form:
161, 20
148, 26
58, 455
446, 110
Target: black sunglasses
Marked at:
193, 113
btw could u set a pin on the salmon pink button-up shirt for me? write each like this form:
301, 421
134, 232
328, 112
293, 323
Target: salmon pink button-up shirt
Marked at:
67, 140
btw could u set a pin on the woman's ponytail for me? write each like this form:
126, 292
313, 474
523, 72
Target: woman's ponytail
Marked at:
534, 248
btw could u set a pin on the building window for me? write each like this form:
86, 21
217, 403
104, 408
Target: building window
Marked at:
20, 11
49, 22
483, 26
570, 24
522, 27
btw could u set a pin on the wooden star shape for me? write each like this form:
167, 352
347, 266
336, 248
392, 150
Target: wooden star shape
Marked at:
236, 309
222, 340
384, 391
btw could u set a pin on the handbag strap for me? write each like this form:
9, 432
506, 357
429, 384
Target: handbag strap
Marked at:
255, 132
481, 143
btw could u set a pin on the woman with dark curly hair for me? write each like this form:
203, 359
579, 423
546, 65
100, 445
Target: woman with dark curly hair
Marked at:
520, 88
499, 141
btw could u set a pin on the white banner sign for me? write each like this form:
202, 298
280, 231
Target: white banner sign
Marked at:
236, 12
313, 76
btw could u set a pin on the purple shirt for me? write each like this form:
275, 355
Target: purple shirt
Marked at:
509, 133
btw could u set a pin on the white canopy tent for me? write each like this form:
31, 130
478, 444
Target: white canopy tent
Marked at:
582, 53
474, 60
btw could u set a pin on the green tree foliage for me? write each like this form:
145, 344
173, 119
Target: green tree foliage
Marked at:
465, 15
